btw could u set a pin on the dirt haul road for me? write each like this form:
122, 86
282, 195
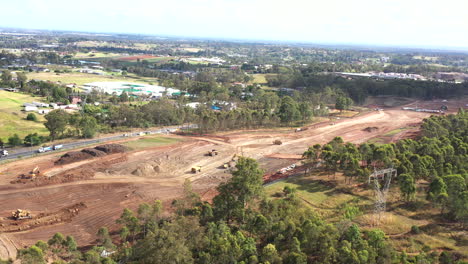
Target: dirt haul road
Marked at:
125, 180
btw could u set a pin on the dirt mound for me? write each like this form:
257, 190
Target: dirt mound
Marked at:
148, 169
94, 152
112, 148
88, 153
370, 129
73, 156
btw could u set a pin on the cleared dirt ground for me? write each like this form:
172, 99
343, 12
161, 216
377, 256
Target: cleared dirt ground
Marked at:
125, 180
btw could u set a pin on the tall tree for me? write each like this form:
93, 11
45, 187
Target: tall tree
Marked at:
407, 186
56, 123
244, 186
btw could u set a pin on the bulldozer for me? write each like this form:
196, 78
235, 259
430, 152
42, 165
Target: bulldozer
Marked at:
196, 169
21, 214
212, 153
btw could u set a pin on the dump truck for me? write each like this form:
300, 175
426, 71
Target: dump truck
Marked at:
212, 153
21, 214
196, 169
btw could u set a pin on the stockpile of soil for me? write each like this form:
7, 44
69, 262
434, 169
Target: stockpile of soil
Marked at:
94, 152
88, 153
73, 156
371, 129
148, 169
111, 148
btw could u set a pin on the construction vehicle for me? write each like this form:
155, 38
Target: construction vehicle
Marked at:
21, 214
212, 153
196, 169
32, 174
229, 164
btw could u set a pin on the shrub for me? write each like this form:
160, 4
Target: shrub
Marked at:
15, 140
31, 117
415, 230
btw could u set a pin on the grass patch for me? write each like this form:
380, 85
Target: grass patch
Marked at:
148, 142
82, 78
324, 199
395, 131
13, 120
93, 55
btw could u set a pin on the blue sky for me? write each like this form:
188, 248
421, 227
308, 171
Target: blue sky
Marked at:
420, 23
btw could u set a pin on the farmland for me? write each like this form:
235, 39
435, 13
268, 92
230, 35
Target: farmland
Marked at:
13, 120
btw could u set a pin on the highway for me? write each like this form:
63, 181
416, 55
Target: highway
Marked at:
29, 152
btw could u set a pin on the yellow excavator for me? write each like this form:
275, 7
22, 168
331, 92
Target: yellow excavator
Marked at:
32, 174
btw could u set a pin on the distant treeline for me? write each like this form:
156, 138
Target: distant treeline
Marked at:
359, 89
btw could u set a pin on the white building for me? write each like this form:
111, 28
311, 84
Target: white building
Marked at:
130, 88
29, 108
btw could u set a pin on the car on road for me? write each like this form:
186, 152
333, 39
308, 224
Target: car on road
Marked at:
3, 153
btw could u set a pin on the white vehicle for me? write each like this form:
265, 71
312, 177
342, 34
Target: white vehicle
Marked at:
44, 149
56, 147
3, 153
49, 148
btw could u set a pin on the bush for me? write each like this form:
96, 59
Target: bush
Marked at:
33, 140
415, 230
31, 117
15, 140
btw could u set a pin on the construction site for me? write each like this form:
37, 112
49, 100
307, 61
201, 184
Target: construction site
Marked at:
78, 192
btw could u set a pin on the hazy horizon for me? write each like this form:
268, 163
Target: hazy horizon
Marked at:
418, 24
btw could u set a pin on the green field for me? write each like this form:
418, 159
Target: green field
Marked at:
259, 78
151, 141
13, 120
91, 55
82, 78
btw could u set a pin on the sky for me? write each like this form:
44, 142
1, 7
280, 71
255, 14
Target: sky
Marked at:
403, 23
